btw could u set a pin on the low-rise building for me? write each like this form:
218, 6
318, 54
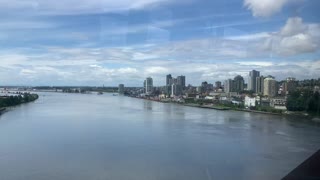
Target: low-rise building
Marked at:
316, 89
278, 103
209, 97
250, 101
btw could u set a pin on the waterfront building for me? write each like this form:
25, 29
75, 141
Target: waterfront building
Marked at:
238, 84
235, 85
206, 87
252, 80
210, 87
168, 80
148, 85
259, 85
270, 87
250, 101
289, 85
168, 89
200, 89
278, 103
179, 84
176, 90
121, 89
228, 86
181, 80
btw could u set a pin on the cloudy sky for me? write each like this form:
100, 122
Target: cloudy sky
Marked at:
96, 42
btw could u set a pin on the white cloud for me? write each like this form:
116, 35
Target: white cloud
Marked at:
26, 72
207, 59
95, 66
293, 26
154, 70
256, 63
72, 71
128, 71
300, 43
296, 37
143, 56
265, 8
250, 37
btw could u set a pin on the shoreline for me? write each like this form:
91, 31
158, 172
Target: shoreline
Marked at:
2, 110
219, 108
5, 108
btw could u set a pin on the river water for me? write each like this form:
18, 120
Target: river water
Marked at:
86, 136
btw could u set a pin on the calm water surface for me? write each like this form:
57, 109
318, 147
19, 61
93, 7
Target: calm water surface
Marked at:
82, 137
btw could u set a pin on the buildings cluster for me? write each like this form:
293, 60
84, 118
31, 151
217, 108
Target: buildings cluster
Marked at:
259, 90
260, 85
175, 86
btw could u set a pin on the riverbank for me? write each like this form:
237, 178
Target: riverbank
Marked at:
207, 106
225, 108
2, 110
19, 98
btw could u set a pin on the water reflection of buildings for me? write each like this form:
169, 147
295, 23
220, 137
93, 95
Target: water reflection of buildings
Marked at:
147, 105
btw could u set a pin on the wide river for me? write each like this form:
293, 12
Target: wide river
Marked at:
91, 137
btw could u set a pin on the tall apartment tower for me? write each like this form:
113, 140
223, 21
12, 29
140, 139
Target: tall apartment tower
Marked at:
238, 84
121, 89
259, 84
218, 84
228, 86
270, 87
148, 85
181, 80
252, 80
168, 80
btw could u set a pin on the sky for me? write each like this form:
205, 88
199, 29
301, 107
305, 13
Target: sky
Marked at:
107, 42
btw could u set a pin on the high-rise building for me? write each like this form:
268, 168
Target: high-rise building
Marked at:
238, 84
270, 87
121, 89
235, 85
200, 89
168, 80
176, 89
179, 84
148, 85
218, 84
228, 86
259, 84
204, 86
181, 80
252, 80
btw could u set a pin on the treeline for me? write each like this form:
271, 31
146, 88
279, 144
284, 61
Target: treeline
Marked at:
6, 101
89, 89
309, 82
304, 100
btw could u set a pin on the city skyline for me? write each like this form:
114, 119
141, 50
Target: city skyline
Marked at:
91, 43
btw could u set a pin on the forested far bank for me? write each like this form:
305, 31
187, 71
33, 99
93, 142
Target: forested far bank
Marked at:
6, 101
